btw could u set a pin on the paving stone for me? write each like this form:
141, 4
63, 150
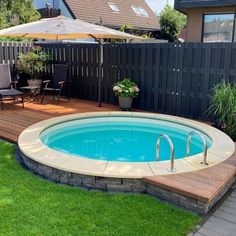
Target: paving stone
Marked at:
231, 199
229, 210
229, 204
206, 232
233, 194
226, 216
220, 226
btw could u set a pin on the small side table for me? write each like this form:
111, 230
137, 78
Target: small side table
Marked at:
31, 92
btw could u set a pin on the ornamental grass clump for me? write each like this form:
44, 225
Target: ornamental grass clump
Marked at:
126, 88
223, 107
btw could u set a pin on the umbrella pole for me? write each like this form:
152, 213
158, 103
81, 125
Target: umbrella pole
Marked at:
100, 63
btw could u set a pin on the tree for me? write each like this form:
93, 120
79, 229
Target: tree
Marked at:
172, 22
17, 12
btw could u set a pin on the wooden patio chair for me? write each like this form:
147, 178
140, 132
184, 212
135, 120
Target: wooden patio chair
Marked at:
56, 85
8, 87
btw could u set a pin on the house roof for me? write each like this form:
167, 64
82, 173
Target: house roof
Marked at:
92, 11
182, 5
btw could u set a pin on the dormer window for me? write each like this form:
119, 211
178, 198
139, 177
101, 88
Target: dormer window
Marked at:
113, 7
139, 11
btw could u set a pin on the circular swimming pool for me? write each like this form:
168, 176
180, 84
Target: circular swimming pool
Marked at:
118, 145
122, 139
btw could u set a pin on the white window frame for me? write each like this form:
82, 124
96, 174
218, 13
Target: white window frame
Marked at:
139, 11
111, 5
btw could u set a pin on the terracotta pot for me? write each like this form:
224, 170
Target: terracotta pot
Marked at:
125, 102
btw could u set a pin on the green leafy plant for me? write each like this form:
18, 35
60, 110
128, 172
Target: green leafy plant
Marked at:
126, 88
223, 107
18, 39
17, 12
34, 62
172, 22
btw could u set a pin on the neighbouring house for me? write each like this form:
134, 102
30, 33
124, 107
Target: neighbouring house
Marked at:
209, 20
135, 14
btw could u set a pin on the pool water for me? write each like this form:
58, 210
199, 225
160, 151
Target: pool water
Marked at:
125, 139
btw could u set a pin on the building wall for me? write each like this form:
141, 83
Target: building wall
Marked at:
194, 21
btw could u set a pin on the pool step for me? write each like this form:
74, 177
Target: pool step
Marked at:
199, 190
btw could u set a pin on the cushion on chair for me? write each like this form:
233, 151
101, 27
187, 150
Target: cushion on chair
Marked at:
10, 92
5, 76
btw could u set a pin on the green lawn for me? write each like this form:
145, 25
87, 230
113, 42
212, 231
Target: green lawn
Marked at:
30, 205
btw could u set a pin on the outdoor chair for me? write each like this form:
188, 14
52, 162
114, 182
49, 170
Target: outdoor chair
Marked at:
8, 87
56, 85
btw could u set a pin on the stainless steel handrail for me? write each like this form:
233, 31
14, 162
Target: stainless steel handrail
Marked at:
172, 151
204, 142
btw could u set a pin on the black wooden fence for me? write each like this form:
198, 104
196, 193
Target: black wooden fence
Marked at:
174, 78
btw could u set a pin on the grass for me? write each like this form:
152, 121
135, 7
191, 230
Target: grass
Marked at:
30, 205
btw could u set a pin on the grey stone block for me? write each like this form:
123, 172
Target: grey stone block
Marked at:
89, 179
80, 180
119, 187
138, 188
133, 181
65, 178
105, 180
95, 185
162, 193
202, 209
44, 170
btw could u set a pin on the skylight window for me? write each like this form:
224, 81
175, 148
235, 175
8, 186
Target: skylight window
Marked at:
143, 11
139, 11
113, 7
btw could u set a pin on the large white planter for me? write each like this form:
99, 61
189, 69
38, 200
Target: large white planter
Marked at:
125, 102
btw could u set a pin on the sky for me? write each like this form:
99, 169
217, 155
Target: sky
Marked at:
158, 5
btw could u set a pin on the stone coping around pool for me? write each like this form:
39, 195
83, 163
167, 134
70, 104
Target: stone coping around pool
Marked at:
31, 146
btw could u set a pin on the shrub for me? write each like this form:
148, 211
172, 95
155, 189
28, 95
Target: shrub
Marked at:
172, 22
223, 107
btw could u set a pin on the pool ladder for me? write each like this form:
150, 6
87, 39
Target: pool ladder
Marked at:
204, 143
172, 148
172, 151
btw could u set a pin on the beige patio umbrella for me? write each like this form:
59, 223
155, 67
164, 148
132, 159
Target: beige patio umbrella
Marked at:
59, 28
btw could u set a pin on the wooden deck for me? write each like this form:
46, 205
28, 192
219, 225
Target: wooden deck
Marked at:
14, 119
204, 185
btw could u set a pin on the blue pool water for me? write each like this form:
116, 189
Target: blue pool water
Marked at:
126, 139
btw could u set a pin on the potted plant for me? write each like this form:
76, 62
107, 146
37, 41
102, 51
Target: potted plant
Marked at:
126, 90
33, 63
